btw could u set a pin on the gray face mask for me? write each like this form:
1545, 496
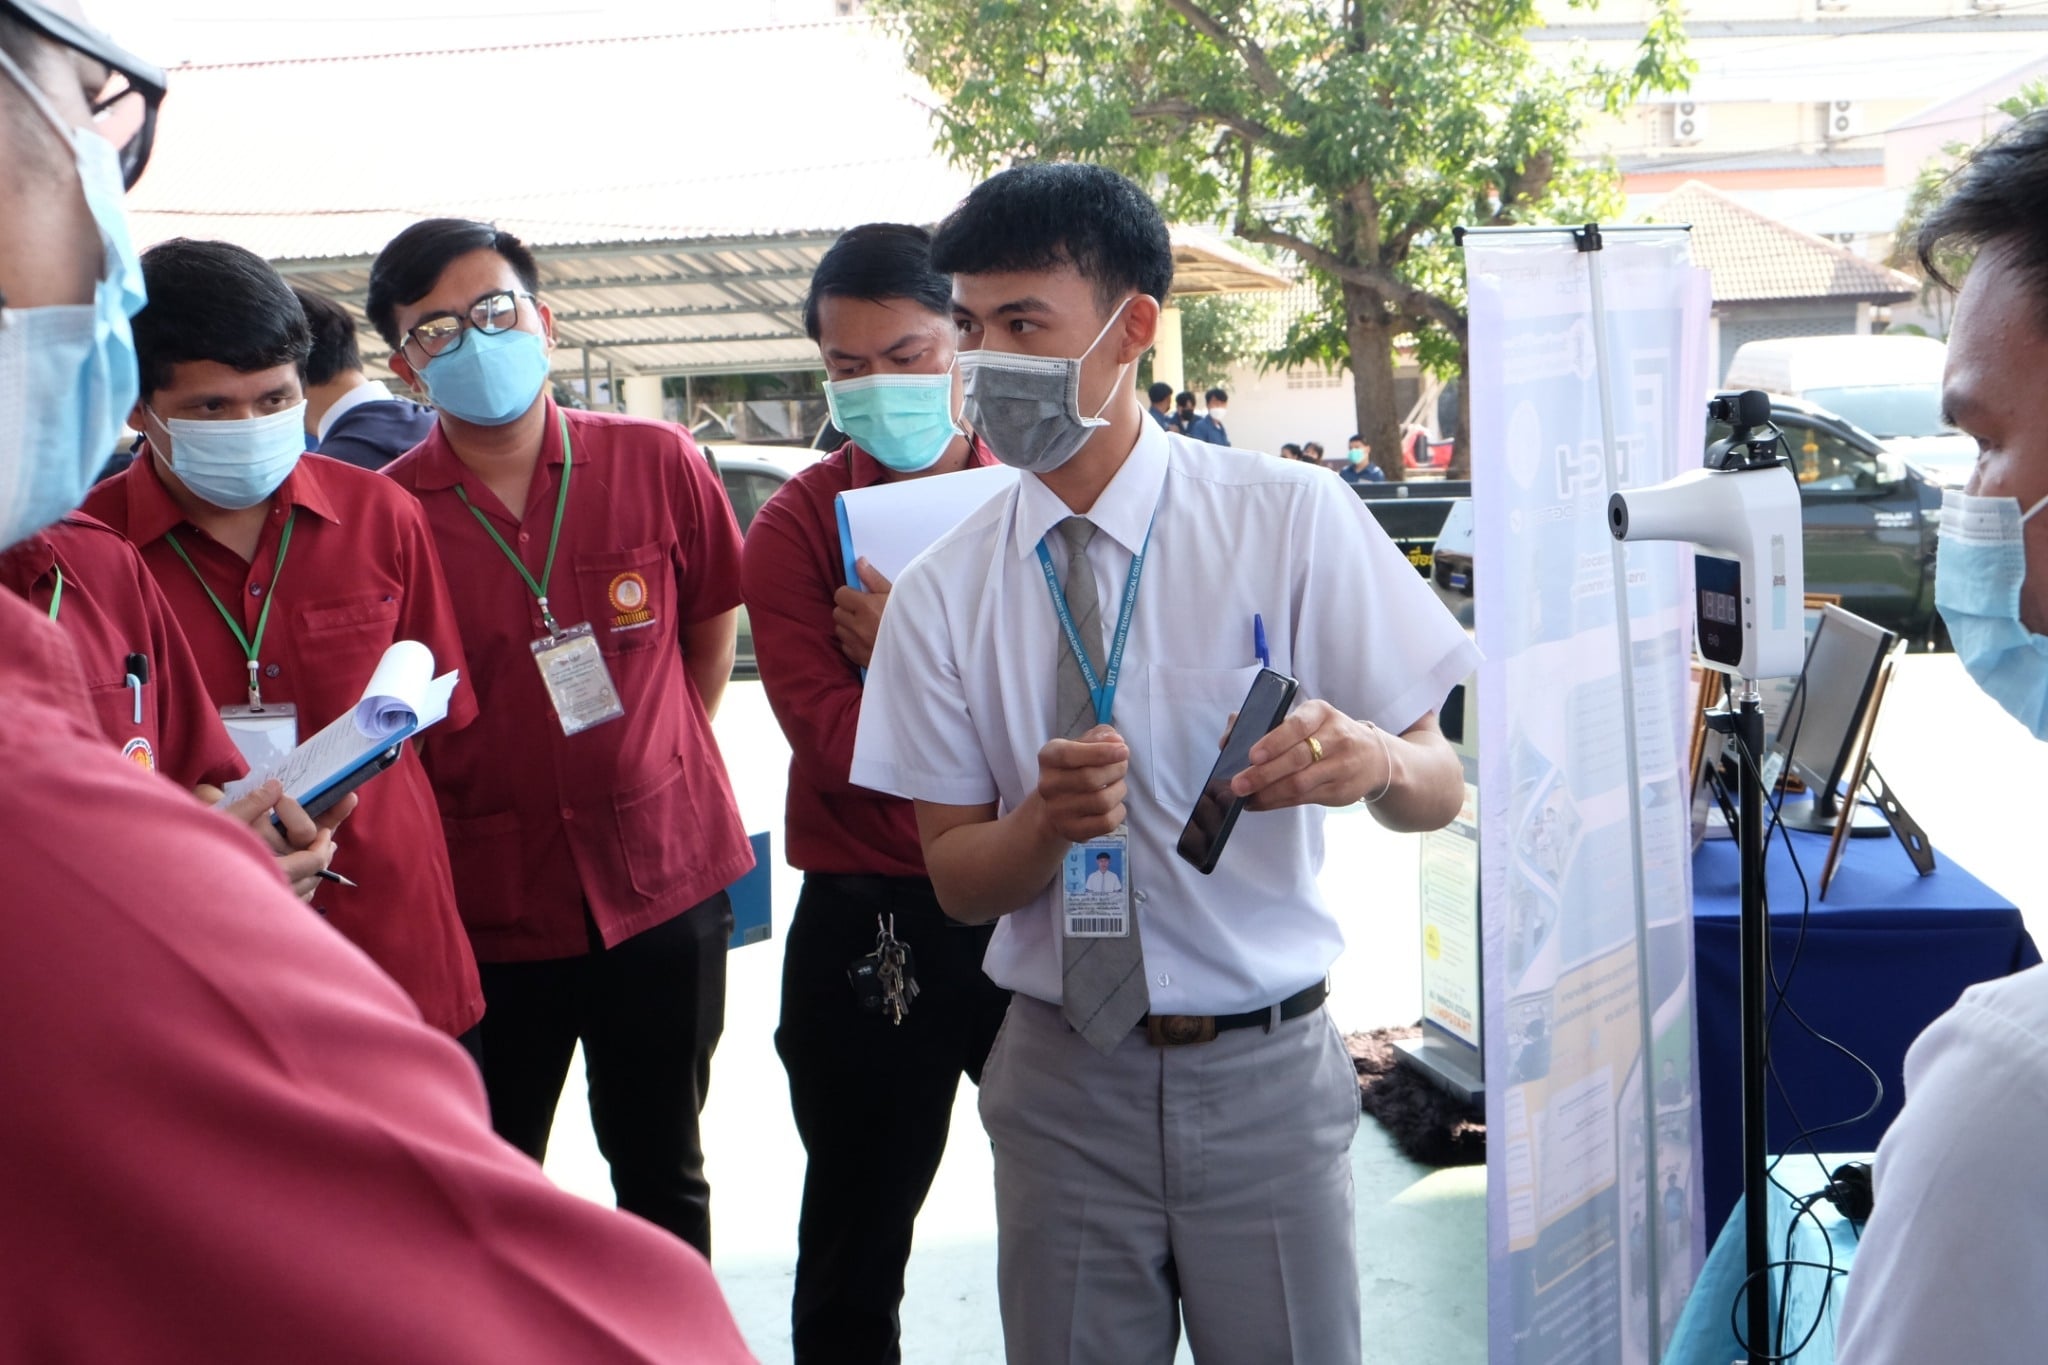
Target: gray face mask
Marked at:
1028, 407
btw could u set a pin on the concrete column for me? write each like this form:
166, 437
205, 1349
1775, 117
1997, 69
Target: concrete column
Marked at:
642, 395
1168, 364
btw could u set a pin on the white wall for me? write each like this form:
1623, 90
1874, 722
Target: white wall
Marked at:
1271, 408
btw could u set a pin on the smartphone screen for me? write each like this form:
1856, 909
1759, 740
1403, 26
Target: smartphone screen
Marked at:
1216, 809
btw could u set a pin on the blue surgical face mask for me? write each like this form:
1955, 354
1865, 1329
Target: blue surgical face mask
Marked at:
904, 420
489, 380
1980, 563
68, 375
239, 463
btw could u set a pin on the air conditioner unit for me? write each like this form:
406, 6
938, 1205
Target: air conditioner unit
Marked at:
1841, 120
1688, 123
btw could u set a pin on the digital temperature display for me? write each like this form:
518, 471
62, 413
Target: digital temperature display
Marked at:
1719, 592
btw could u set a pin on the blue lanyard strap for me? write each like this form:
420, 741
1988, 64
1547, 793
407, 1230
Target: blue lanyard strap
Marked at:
1101, 689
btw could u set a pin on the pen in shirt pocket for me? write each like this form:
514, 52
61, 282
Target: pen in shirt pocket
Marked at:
1259, 649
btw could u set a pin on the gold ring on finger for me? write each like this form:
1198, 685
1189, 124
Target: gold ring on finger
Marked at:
1315, 749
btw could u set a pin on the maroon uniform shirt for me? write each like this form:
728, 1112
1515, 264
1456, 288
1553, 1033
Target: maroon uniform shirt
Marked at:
111, 608
359, 575
234, 1140
794, 563
634, 817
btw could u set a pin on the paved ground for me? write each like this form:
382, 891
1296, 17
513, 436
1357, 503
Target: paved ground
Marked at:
1970, 775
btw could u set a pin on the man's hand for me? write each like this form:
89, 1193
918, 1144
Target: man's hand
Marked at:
857, 616
1355, 762
304, 847
1081, 784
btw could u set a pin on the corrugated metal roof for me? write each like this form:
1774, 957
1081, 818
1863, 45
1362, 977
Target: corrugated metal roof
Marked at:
1754, 259
677, 189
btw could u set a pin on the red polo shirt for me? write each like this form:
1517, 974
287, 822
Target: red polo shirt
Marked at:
794, 564
635, 816
111, 608
229, 1136
359, 575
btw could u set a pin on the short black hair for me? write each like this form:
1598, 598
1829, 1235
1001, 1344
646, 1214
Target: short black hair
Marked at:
1316, 446
1186, 396
1356, 437
1159, 393
1999, 197
215, 301
1290, 450
1102, 857
1215, 396
410, 265
879, 261
334, 337
1047, 214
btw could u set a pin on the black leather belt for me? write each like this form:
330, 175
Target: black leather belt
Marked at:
1179, 1030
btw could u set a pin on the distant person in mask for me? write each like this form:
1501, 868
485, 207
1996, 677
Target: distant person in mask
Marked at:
1171, 1109
872, 1098
1159, 404
349, 416
230, 1137
595, 565
1209, 426
291, 575
1951, 1263
1184, 414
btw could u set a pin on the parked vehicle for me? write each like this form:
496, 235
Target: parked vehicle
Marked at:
1890, 386
1870, 521
751, 474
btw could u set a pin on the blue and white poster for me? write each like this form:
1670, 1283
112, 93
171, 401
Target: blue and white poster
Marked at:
1593, 1167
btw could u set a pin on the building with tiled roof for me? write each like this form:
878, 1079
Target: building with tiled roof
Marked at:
1772, 280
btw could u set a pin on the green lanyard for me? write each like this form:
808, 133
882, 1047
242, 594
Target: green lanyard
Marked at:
547, 573
250, 647
57, 595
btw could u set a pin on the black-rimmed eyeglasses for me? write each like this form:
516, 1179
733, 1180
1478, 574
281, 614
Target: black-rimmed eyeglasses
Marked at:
124, 109
438, 334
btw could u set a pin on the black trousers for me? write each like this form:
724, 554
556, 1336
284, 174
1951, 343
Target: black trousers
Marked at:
872, 1100
649, 1013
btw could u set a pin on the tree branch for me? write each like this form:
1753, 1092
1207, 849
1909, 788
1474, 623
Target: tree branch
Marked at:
1256, 64
1246, 127
1395, 292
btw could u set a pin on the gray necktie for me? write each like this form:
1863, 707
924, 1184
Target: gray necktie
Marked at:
1102, 980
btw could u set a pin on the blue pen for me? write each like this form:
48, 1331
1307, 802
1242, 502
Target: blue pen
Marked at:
1259, 641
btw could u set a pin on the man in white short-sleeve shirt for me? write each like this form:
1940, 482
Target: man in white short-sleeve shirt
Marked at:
1191, 1159
1953, 1260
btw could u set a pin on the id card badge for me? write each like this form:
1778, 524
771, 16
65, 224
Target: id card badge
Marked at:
578, 683
265, 734
1095, 891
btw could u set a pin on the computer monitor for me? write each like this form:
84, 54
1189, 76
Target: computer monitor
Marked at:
1826, 713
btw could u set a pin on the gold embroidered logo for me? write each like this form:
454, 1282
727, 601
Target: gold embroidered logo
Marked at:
138, 752
628, 595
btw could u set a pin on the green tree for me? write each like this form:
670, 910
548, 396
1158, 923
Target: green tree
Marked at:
1930, 186
1217, 331
1352, 133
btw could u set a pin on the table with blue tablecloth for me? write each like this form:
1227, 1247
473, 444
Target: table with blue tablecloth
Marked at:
1806, 1296
1884, 955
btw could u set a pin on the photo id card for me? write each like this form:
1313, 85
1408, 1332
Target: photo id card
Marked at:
578, 683
266, 734
1095, 893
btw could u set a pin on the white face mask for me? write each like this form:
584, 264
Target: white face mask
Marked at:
1028, 407
236, 464
1980, 565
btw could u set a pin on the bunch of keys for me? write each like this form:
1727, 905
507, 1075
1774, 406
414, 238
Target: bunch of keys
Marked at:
885, 981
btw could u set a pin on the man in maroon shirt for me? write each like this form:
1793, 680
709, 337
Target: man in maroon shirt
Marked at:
231, 1138
594, 563
291, 574
872, 1097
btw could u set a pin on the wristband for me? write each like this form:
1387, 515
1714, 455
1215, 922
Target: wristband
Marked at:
1386, 752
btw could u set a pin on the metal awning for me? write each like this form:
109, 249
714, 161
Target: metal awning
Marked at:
677, 190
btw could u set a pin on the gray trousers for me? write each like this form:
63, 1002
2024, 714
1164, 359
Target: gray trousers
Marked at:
1211, 1182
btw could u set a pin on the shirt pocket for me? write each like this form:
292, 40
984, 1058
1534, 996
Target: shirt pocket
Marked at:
341, 642
486, 855
654, 831
630, 598
113, 705
1190, 709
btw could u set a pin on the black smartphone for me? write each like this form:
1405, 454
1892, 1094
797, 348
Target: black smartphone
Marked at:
1216, 809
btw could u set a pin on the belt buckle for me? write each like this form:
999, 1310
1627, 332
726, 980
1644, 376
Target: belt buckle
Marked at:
1179, 1030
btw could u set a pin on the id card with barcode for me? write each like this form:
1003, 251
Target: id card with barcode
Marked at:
1095, 888
573, 670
